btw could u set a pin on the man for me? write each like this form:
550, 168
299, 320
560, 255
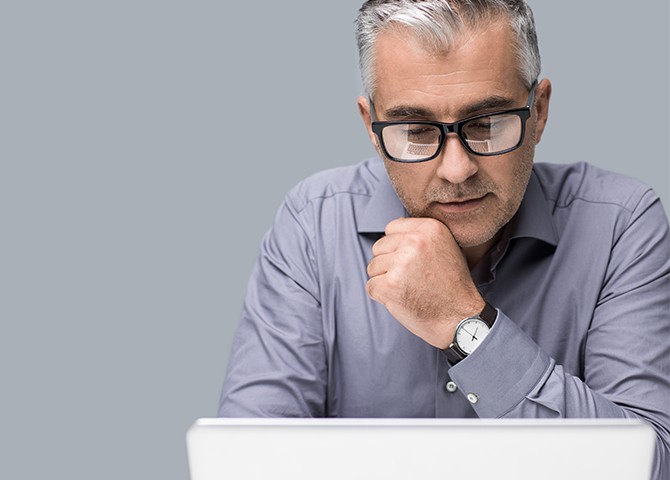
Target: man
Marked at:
452, 277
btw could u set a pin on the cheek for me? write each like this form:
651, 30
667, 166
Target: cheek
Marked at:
410, 180
516, 179
510, 172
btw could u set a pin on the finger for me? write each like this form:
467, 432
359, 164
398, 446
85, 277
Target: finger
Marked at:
401, 225
387, 244
397, 243
374, 290
407, 225
380, 265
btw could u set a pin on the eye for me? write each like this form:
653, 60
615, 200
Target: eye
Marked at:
486, 123
422, 133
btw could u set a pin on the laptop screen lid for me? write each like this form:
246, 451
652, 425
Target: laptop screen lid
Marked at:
337, 449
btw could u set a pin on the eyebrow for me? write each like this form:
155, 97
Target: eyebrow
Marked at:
487, 105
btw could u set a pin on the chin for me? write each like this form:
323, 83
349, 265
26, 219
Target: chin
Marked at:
480, 227
471, 239
474, 232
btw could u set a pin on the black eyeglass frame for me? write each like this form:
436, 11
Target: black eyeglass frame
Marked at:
456, 127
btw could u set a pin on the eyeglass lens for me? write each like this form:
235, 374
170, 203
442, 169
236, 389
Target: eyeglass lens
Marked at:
485, 135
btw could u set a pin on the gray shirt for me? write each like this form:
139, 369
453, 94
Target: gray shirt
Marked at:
581, 281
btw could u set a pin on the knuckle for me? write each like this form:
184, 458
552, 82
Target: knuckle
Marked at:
432, 226
371, 267
417, 241
394, 281
391, 226
377, 246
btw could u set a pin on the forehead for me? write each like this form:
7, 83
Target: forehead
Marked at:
481, 63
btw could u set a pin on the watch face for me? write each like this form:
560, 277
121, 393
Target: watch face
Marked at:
470, 334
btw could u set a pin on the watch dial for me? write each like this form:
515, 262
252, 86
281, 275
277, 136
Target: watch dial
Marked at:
470, 334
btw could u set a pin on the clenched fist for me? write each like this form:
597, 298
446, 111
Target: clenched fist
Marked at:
418, 272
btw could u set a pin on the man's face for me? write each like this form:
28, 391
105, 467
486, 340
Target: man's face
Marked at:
473, 196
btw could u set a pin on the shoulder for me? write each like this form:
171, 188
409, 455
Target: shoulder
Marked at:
335, 184
568, 185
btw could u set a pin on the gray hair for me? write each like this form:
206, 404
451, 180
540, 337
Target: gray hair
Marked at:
436, 24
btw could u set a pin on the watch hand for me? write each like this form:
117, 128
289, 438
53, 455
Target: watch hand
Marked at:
474, 335
467, 331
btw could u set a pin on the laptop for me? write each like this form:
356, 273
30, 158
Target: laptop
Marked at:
435, 449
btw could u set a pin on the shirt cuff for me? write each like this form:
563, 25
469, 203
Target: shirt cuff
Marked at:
504, 369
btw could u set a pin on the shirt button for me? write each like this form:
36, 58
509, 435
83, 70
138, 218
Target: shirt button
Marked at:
451, 387
473, 398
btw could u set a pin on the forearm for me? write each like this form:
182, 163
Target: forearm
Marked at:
513, 378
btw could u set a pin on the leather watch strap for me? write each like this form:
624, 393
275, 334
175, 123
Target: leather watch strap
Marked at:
488, 315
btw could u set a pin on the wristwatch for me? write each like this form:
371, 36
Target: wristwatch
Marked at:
470, 333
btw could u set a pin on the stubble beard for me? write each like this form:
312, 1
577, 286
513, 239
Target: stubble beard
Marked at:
483, 224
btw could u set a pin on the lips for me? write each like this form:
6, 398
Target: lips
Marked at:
461, 205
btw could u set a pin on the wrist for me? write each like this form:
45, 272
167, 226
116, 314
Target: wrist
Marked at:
470, 333
472, 310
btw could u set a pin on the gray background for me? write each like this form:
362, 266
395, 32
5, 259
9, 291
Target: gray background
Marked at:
145, 148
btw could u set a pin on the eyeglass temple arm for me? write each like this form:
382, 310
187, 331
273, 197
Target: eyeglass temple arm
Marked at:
373, 117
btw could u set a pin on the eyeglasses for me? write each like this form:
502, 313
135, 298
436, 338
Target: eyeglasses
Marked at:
486, 135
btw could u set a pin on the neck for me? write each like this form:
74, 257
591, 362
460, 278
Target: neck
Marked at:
473, 255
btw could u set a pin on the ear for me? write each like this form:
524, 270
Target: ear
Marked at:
364, 110
542, 97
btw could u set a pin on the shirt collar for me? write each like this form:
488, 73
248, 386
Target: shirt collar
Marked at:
384, 205
533, 219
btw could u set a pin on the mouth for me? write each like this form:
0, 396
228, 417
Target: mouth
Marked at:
461, 206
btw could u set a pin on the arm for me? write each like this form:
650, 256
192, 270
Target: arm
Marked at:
626, 356
627, 350
277, 365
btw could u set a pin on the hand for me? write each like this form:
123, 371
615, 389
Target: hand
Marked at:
418, 272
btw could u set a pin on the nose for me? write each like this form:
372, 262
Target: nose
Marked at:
455, 164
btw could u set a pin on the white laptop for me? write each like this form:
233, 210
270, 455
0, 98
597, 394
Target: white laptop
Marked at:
409, 449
